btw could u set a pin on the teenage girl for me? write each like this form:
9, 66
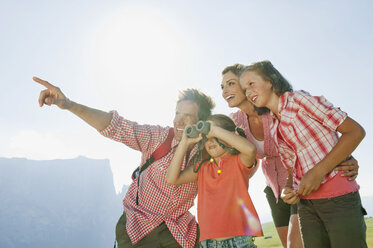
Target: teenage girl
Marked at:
305, 130
226, 214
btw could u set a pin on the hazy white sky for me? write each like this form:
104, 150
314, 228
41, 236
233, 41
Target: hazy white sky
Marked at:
134, 56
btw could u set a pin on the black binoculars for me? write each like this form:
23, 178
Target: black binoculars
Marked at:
194, 131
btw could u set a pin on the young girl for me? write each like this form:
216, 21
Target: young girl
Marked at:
226, 214
305, 130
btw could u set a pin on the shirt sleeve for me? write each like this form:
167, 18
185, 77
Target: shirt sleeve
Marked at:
138, 137
238, 119
320, 109
242, 166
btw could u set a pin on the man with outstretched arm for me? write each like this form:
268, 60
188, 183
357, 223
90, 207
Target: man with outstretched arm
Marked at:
156, 214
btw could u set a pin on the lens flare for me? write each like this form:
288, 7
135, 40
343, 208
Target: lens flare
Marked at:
253, 223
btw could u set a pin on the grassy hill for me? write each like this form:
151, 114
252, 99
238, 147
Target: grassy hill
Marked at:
271, 239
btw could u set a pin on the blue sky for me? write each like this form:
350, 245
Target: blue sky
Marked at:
134, 56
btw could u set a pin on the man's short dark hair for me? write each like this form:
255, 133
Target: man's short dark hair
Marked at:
204, 102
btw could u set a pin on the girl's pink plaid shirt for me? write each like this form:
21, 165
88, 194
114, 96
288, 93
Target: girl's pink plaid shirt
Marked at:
306, 132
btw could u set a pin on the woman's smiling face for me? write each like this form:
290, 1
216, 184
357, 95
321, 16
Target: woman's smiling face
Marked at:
231, 90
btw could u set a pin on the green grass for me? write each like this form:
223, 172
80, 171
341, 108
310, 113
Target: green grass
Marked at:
272, 240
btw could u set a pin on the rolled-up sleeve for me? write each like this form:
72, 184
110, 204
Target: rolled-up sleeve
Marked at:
130, 133
320, 109
110, 130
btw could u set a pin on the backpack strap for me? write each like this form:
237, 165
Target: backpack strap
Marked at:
165, 147
160, 152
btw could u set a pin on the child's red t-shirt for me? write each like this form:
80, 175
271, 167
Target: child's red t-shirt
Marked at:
224, 206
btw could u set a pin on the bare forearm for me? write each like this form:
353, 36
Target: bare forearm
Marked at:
94, 117
173, 172
236, 141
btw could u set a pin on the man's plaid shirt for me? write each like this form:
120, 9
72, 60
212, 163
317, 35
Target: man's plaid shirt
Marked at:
158, 201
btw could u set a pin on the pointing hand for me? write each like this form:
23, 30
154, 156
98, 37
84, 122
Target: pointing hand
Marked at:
52, 95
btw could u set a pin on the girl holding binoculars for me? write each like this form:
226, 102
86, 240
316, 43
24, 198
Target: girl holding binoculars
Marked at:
226, 214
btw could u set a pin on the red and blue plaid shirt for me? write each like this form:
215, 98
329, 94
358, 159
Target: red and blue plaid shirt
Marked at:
306, 132
158, 201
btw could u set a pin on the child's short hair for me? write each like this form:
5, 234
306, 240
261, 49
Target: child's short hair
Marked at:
269, 73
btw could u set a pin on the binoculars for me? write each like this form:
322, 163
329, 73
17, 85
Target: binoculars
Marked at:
194, 131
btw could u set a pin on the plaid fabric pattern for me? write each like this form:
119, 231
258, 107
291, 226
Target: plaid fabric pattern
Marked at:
158, 201
306, 132
272, 167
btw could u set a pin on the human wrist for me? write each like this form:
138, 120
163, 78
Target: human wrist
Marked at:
70, 105
184, 141
212, 131
348, 158
320, 169
287, 187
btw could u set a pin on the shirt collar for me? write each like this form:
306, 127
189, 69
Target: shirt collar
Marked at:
226, 156
174, 143
282, 102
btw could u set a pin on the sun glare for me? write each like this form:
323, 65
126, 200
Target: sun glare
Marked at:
138, 52
139, 60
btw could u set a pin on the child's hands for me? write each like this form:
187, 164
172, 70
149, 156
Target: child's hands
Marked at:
290, 196
212, 129
311, 181
190, 141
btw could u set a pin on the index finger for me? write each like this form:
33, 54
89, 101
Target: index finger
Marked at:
43, 82
347, 168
